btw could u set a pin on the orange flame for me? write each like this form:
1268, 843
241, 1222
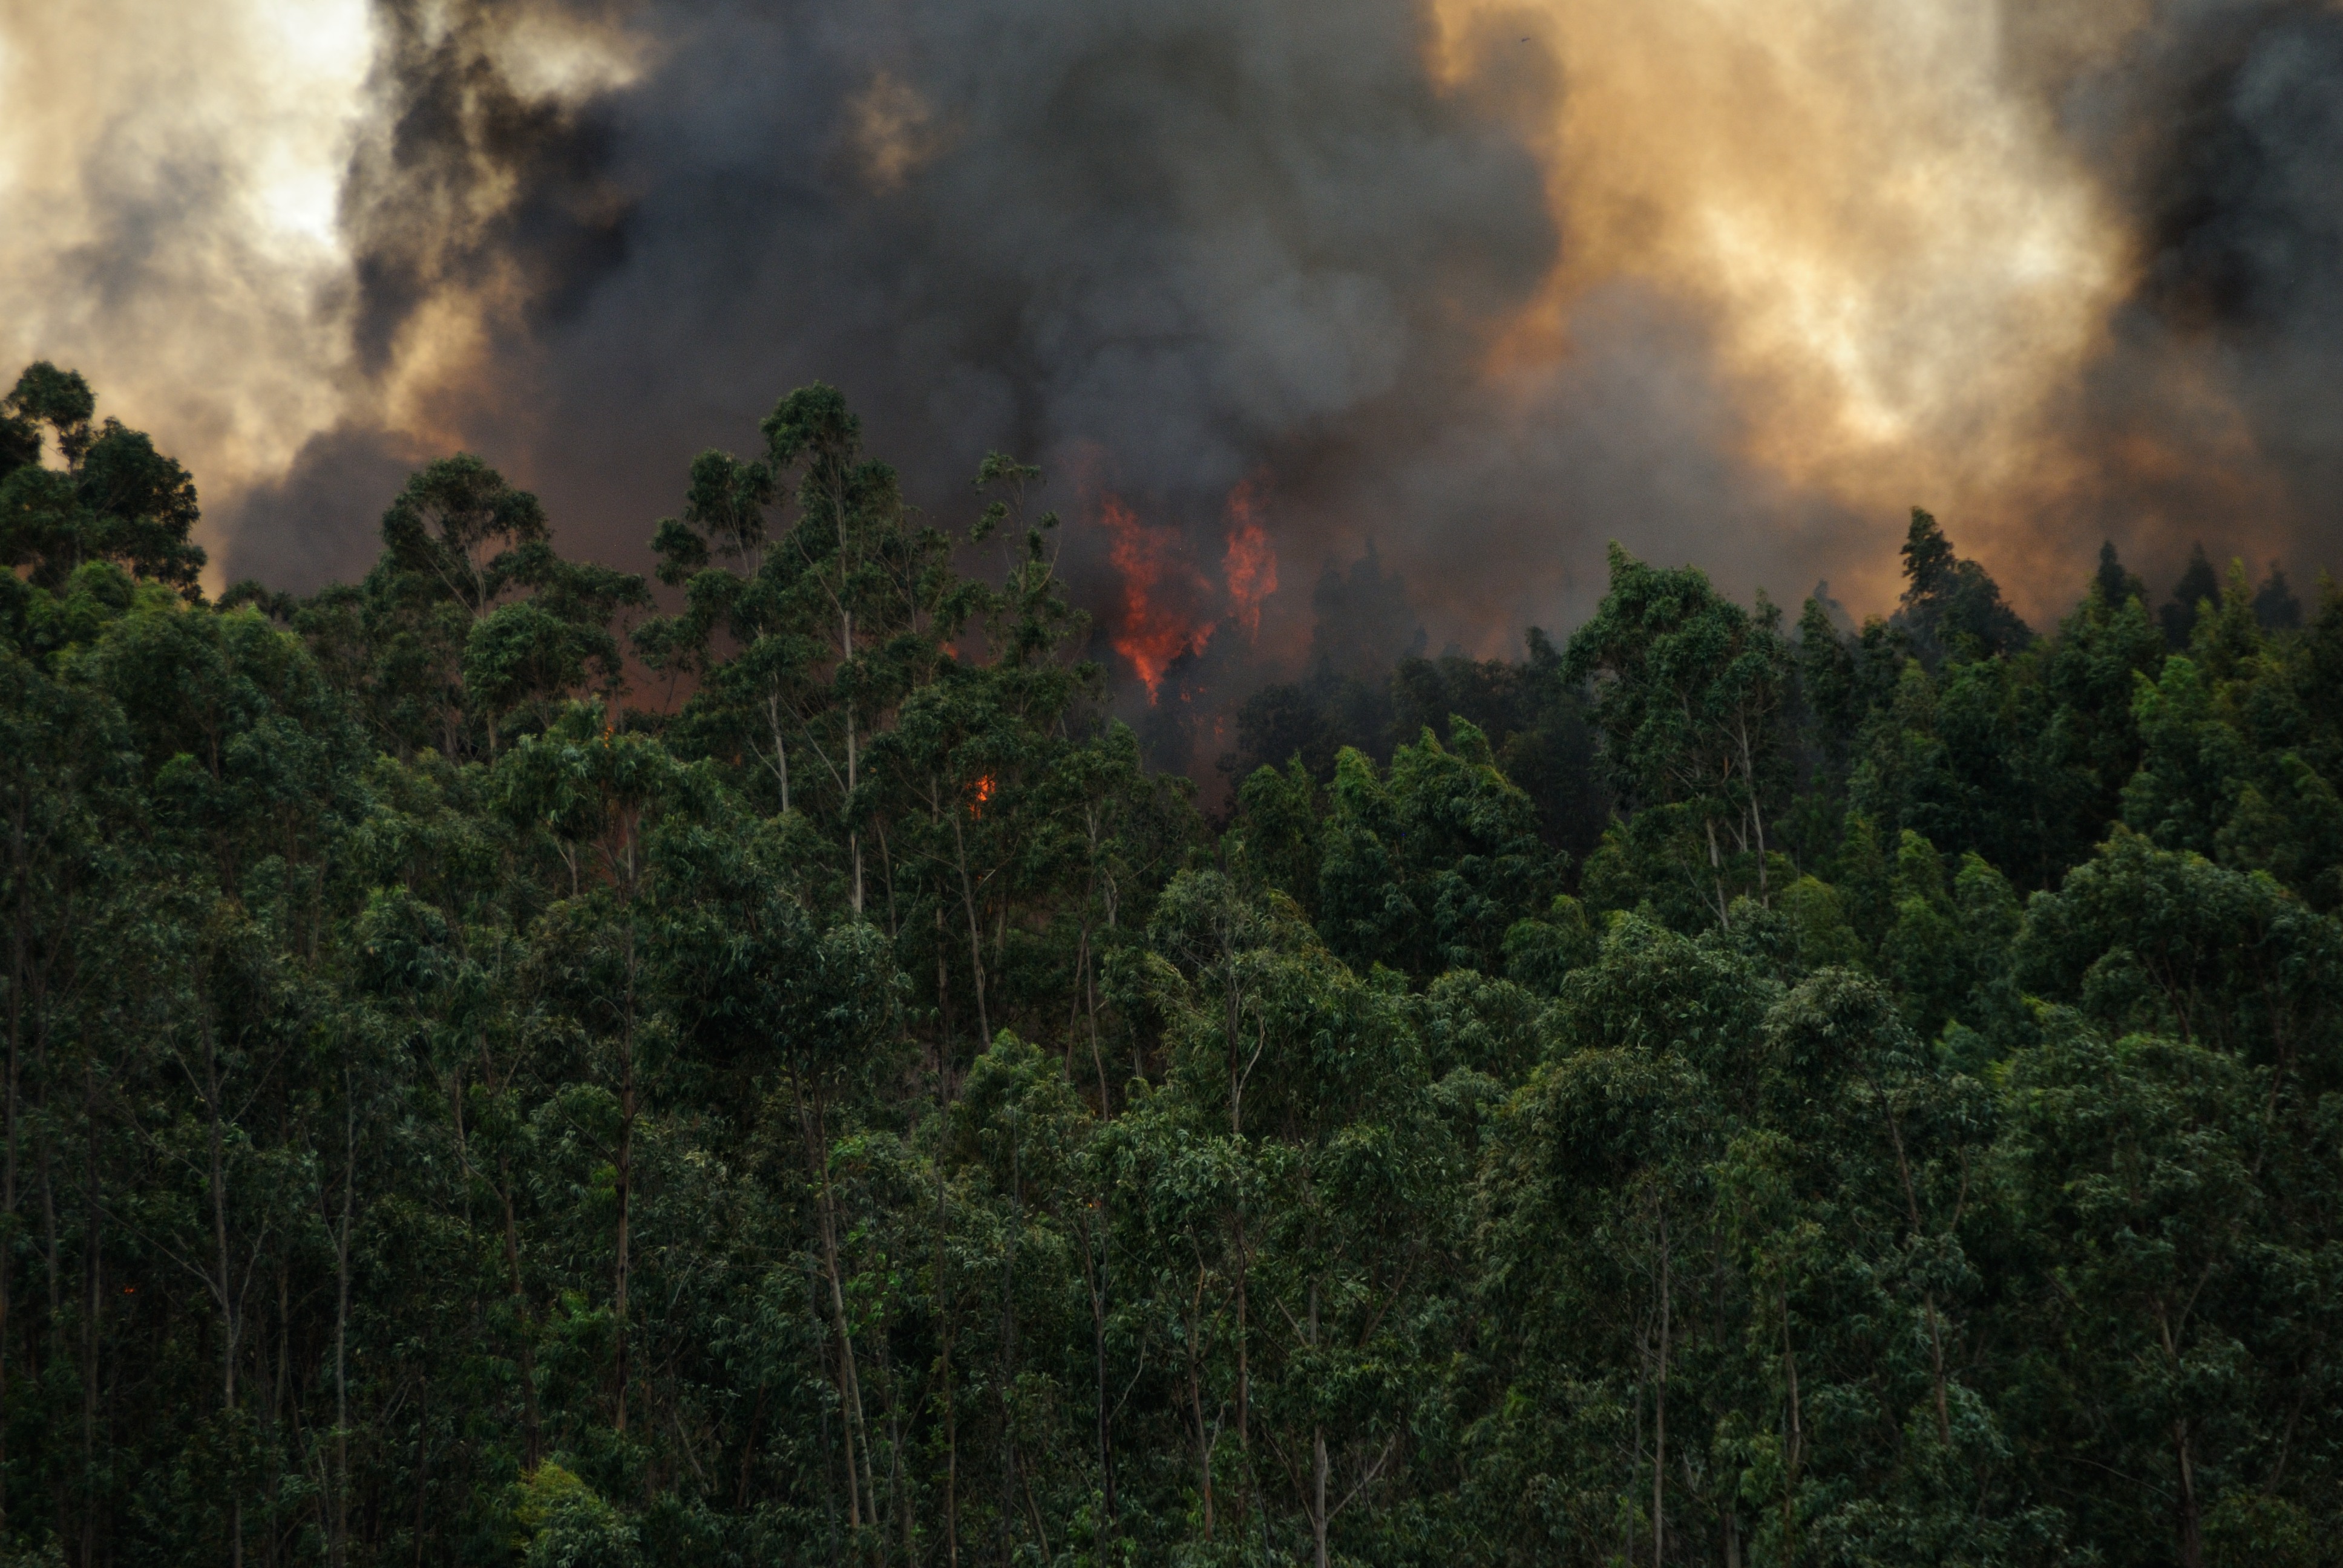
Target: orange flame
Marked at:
1251, 564
982, 791
1153, 633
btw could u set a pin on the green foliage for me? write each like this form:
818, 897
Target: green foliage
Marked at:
1952, 607
559, 1522
2143, 938
1690, 700
1428, 867
859, 1115
1530, 712
111, 496
459, 525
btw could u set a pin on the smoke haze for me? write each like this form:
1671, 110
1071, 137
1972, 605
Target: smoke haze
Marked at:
1484, 283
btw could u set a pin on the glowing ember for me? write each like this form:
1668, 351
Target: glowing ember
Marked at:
1152, 633
982, 791
1250, 565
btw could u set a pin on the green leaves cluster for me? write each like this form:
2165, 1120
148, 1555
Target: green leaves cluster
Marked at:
855, 1113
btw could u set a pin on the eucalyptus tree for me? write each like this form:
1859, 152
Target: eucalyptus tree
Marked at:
865, 1117
1426, 868
864, 587
110, 496
1690, 695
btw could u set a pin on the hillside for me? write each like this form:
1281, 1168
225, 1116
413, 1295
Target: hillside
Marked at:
1720, 1089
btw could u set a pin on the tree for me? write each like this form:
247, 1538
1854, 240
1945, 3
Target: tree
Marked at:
1952, 606
2198, 585
112, 497
1689, 699
459, 524
1427, 868
2133, 1169
864, 1116
2153, 941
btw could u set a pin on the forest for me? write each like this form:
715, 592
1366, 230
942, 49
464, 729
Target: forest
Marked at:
510, 1063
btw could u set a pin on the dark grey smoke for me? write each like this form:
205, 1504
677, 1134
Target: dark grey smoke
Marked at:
424, 207
1161, 246
2220, 132
316, 522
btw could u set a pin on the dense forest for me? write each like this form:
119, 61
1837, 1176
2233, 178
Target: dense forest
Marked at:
509, 1064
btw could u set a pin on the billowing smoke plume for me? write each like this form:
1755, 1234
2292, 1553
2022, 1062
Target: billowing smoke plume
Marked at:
1482, 283
170, 177
1160, 249
2215, 409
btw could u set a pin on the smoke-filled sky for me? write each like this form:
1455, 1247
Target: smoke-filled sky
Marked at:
1483, 282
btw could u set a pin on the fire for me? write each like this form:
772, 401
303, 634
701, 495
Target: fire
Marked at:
982, 791
1162, 591
1152, 633
1251, 564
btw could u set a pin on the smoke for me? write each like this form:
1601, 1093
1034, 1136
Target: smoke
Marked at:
1481, 283
171, 176
2214, 412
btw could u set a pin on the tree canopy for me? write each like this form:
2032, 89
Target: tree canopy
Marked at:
1703, 1092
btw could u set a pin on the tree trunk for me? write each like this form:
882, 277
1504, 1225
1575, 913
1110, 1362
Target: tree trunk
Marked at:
948, 1319
1094, 1269
897, 1493
975, 930
1244, 1366
532, 1439
93, 1302
853, 838
1204, 1435
952, 1413
625, 1176
19, 971
1244, 1383
1927, 1297
231, 1323
1011, 1468
53, 1267
277, 1403
1796, 1446
780, 747
1089, 1004
422, 1471
850, 1386
1660, 1413
1757, 811
1716, 871
2191, 1533
1317, 1455
340, 1545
